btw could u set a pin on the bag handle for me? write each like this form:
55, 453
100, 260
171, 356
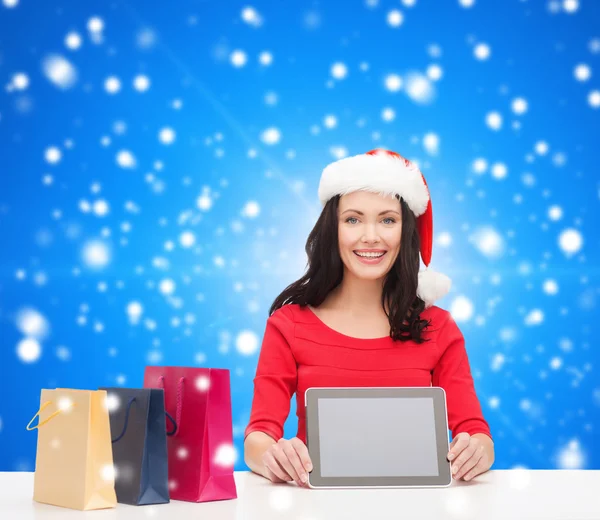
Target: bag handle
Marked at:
177, 421
131, 401
127, 422
52, 416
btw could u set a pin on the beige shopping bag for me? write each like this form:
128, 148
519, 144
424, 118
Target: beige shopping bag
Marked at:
74, 461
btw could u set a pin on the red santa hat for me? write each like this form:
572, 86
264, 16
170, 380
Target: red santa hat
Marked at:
388, 173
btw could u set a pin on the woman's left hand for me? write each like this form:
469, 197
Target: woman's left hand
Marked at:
469, 456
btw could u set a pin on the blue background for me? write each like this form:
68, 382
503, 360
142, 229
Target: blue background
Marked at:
497, 238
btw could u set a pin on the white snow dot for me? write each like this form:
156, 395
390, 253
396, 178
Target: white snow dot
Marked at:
73, 41
466, 3
582, 72
141, 83
251, 16
225, 455
493, 120
431, 143
187, 239
32, 323
393, 82
419, 88
550, 287
247, 343
570, 241
113, 402
395, 18
499, 170
434, 72
330, 121
96, 254
108, 473
112, 84
101, 208
444, 239
95, 24
238, 58
167, 286
479, 166
555, 213
535, 317
125, 159
556, 363
570, 6
182, 453
594, 98
571, 456
20, 81
202, 383
251, 209
10, 3
541, 148
388, 114
135, 310
488, 241
519, 106
339, 70
59, 71
271, 136
52, 155
204, 202
166, 136
461, 308
482, 51
29, 350
265, 58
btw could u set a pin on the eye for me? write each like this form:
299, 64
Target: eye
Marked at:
390, 218
351, 218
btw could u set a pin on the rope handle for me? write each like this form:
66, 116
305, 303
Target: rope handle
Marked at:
52, 416
177, 421
120, 436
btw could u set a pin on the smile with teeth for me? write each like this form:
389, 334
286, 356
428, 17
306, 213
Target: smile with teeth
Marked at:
369, 255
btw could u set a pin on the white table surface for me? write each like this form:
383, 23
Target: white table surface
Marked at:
497, 494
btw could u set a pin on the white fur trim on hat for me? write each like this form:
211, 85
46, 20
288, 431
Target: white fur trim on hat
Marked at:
432, 286
382, 174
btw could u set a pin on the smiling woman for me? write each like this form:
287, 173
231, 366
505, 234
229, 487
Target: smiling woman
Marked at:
362, 315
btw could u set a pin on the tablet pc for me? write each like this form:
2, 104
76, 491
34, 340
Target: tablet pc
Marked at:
377, 437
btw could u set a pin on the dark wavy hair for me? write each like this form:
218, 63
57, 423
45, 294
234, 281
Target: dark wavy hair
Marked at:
326, 271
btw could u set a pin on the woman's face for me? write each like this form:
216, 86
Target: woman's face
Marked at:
369, 222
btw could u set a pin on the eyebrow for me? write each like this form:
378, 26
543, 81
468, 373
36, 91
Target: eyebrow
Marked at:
382, 213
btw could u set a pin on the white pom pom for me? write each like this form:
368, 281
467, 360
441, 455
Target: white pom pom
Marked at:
432, 286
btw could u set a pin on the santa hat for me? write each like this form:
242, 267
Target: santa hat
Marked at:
388, 173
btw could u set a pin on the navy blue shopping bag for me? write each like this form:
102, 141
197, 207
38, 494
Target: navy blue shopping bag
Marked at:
139, 442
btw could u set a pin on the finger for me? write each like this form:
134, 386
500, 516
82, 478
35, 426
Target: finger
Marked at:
272, 465
464, 456
458, 444
282, 457
302, 452
272, 477
294, 459
470, 463
477, 470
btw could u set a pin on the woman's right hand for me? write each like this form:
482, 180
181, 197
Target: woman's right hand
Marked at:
287, 460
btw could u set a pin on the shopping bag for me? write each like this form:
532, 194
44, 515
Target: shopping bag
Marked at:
74, 464
139, 443
201, 452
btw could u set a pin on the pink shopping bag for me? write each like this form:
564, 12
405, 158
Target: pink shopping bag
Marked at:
201, 452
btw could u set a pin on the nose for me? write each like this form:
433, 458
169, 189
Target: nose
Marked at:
370, 235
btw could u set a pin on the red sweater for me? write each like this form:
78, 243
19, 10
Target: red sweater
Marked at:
299, 351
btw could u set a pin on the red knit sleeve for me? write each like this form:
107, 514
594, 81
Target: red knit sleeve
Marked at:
276, 377
453, 374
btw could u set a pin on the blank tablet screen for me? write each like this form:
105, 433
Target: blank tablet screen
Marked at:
387, 437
